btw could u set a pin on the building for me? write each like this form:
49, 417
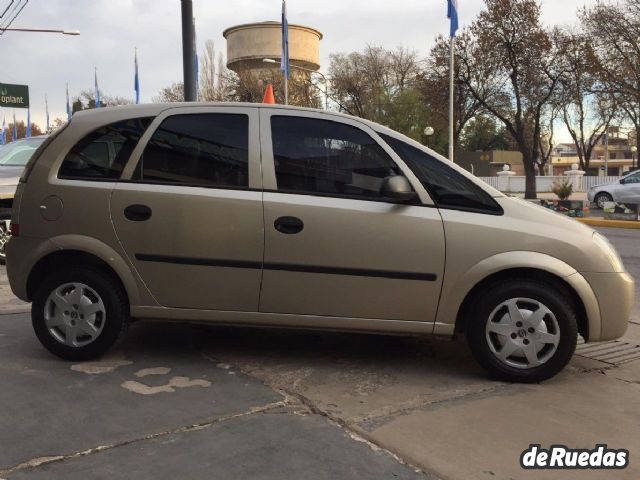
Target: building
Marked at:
622, 158
488, 164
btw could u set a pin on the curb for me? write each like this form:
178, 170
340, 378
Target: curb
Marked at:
601, 222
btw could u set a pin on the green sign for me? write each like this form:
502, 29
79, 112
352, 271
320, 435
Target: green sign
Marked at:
16, 96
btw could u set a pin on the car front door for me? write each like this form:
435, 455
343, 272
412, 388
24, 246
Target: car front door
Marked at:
190, 214
333, 246
630, 190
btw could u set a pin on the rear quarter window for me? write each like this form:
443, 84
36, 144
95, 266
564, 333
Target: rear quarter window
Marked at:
103, 153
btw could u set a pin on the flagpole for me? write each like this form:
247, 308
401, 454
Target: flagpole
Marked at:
451, 96
284, 62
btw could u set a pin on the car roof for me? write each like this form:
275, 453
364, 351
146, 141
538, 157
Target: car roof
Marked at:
154, 109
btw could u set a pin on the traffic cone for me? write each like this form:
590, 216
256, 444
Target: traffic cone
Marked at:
268, 95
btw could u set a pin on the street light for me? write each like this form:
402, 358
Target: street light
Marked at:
324, 79
41, 30
634, 152
428, 132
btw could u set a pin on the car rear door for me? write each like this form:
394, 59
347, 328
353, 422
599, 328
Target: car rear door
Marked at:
333, 246
189, 214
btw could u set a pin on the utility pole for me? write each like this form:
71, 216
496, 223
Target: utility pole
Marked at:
188, 52
606, 154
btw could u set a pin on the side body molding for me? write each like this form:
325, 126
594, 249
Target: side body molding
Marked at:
136, 290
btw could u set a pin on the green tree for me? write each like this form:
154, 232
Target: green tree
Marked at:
482, 134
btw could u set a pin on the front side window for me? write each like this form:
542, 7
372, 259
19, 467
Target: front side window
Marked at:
208, 149
103, 153
448, 188
633, 178
324, 157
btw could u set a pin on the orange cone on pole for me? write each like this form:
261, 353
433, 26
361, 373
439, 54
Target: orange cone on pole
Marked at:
268, 95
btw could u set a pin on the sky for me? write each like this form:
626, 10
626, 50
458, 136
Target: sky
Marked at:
111, 29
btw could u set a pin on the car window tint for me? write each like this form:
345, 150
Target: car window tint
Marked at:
95, 156
448, 188
633, 178
208, 149
325, 157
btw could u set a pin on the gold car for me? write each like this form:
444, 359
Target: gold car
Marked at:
280, 216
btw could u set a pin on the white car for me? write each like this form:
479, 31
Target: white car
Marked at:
627, 190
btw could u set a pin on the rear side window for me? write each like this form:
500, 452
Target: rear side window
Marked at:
448, 188
103, 153
209, 149
331, 158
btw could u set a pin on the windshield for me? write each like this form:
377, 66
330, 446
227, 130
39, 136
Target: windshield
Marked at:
18, 153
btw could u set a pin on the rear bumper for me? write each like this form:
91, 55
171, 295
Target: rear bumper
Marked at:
22, 254
615, 295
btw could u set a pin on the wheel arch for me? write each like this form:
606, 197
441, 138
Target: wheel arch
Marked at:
524, 273
74, 249
457, 296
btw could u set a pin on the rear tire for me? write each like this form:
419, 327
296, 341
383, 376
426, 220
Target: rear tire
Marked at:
522, 330
79, 313
601, 198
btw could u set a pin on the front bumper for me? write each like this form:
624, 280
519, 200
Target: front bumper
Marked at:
615, 293
591, 195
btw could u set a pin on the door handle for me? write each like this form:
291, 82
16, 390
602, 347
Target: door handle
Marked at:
137, 213
288, 225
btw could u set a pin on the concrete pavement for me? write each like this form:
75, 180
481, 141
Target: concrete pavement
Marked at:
212, 402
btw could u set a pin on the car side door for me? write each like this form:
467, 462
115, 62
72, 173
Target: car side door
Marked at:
188, 211
333, 245
629, 191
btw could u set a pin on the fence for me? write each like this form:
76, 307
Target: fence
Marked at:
593, 181
544, 184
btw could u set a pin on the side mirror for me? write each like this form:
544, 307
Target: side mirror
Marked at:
397, 187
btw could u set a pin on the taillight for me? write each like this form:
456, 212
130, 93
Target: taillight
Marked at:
15, 229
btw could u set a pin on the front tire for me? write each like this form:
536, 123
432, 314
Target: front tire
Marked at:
601, 198
522, 330
79, 313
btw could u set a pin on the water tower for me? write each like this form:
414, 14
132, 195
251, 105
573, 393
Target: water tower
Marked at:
248, 45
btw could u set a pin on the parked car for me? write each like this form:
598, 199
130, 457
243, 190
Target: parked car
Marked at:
289, 217
13, 158
626, 190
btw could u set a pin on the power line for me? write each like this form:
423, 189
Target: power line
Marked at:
8, 6
18, 11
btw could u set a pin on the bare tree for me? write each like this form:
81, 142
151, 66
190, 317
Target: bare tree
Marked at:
433, 85
512, 70
613, 30
172, 93
587, 109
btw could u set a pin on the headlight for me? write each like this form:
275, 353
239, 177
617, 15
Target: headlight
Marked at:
609, 251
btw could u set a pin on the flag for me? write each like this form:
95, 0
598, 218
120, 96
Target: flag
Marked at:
452, 14
69, 112
136, 80
97, 93
197, 62
284, 62
14, 134
3, 140
28, 123
46, 107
